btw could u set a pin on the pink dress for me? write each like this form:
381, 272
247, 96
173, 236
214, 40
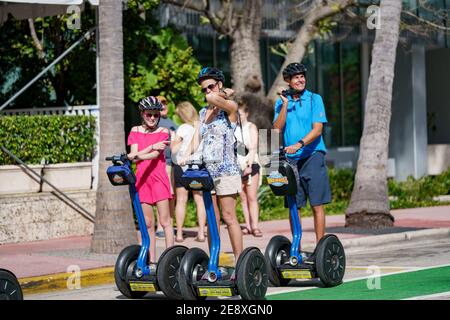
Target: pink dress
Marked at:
152, 181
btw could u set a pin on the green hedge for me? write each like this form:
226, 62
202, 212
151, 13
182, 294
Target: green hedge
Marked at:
49, 138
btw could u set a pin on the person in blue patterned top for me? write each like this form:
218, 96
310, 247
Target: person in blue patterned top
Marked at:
215, 136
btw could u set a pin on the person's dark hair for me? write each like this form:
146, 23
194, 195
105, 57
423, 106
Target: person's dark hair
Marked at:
210, 73
293, 69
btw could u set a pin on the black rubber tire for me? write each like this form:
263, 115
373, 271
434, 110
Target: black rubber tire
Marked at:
9, 286
275, 246
166, 272
252, 276
126, 257
330, 260
193, 257
242, 255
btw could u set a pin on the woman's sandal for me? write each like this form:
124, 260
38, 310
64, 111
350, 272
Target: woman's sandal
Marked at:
257, 233
246, 231
200, 239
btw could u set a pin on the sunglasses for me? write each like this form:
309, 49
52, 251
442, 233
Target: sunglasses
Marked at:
210, 87
151, 115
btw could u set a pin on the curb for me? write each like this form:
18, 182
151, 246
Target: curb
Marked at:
88, 278
62, 281
372, 241
383, 239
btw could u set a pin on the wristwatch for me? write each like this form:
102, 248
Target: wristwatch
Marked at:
302, 143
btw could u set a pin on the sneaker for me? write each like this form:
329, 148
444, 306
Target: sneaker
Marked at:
160, 234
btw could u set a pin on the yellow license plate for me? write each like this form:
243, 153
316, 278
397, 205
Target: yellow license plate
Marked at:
142, 286
215, 292
296, 274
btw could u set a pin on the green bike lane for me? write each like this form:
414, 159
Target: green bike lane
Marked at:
401, 285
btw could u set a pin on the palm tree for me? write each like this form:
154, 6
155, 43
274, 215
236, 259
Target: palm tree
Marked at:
369, 204
114, 228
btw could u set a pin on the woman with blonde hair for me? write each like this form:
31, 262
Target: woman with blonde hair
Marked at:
181, 152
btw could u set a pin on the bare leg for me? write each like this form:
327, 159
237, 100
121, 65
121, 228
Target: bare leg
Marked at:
201, 214
319, 221
180, 211
159, 227
252, 200
166, 221
150, 222
245, 210
228, 205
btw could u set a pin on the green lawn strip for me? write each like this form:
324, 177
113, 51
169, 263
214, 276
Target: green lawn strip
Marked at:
393, 287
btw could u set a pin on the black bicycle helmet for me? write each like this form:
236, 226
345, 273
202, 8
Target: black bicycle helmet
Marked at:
293, 69
150, 103
210, 73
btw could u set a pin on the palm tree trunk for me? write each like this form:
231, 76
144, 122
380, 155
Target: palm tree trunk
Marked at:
369, 205
244, 49
114, 227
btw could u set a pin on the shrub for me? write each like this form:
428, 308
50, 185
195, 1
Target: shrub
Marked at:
49, 138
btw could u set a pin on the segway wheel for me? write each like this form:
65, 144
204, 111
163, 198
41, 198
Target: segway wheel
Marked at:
330, 261
9, 286
166, 272
277, 253
252, 277
124, 266
193, 265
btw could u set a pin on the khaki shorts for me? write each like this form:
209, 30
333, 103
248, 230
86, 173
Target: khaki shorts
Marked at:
227, 185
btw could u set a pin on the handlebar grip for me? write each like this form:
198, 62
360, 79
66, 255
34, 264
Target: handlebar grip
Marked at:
109, 158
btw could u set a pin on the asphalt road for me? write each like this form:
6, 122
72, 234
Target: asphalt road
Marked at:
361, 263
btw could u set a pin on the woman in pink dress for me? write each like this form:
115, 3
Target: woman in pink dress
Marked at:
148, 142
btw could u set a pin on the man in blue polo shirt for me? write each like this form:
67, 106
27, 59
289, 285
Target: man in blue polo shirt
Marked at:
300, 114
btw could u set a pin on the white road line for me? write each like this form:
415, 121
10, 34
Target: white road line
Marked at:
430, 296
381, 268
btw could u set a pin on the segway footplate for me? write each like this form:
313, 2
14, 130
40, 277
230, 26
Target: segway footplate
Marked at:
302, 271
220, 288
142, 286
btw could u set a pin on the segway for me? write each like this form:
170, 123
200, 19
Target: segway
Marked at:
9, 286
201, 276
133, 274
285, 259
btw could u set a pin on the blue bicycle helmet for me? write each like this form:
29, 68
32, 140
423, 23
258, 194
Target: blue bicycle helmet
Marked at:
210, 73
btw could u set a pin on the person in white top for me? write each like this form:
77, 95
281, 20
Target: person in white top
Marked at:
180, 148
250, 168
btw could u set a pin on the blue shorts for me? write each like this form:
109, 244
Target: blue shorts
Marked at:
312, 180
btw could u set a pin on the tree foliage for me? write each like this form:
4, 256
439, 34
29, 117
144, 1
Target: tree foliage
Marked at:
158, 61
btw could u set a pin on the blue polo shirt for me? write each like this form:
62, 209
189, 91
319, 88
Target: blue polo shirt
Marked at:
301, 114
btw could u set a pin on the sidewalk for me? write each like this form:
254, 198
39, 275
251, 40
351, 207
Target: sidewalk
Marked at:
40, 265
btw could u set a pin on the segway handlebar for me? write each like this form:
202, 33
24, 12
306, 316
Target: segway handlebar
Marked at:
280, 153
118, 158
